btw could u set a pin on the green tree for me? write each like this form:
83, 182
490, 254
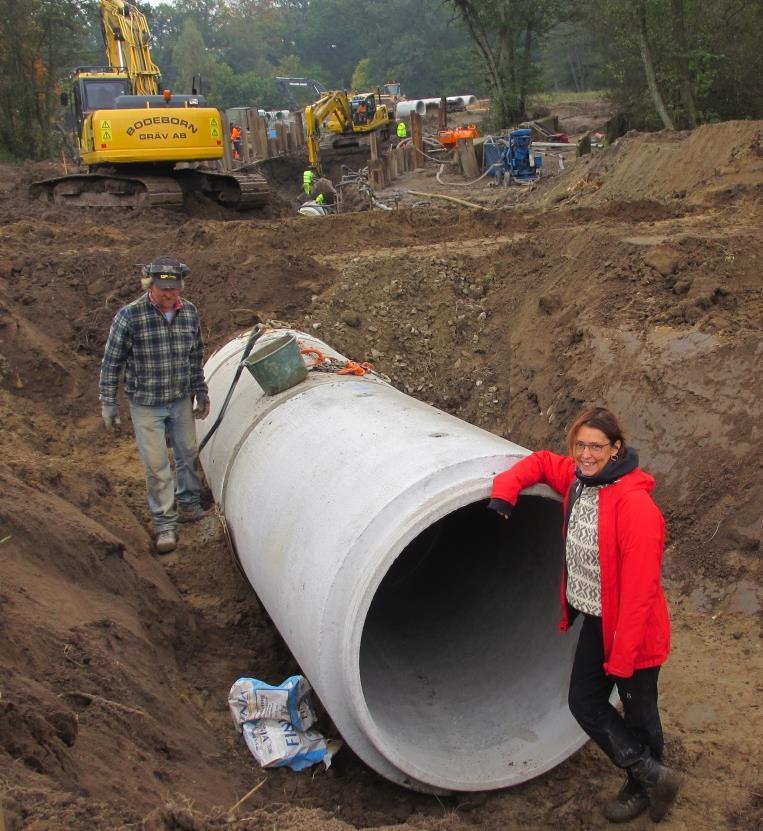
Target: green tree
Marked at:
39, 41
507, 34
361, 79
190, 57
678, 62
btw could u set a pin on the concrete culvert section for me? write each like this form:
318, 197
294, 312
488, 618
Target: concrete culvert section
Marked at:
462, 667
425, 623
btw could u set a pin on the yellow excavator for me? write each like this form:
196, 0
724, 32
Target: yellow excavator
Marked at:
348, 118
142, 147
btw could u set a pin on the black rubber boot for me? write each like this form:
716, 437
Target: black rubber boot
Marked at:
660, 783
630, 803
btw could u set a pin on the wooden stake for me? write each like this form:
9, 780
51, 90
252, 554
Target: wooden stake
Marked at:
417, 140
468, 158
246, 796
227, 159
448, 198
443, 113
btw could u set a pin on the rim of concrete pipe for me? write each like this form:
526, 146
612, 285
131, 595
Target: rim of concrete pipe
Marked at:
404, 108
464, 767
442, 672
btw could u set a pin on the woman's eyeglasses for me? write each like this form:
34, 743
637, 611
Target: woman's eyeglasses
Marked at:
594, 447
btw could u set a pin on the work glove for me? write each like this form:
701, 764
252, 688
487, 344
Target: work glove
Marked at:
110, 413
201, 408
501, 506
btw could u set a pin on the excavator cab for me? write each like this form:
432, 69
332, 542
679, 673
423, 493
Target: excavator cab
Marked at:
100, 93
363, 109
94, 89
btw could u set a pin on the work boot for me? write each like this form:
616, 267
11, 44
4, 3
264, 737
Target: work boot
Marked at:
630, 803
661, 784
191, 513
166, 541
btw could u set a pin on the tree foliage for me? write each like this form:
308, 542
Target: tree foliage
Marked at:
667, 62
508, 34
39, 39
705, 57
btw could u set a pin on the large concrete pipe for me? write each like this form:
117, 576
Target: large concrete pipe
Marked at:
279, 115
403, 109
463, 100
425, 622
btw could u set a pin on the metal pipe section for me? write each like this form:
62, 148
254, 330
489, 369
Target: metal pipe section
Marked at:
404, 109
425, 622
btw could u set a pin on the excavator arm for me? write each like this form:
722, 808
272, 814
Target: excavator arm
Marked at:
334, 105
127, 39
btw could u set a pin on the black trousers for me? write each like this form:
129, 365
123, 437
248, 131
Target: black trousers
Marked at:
625, 739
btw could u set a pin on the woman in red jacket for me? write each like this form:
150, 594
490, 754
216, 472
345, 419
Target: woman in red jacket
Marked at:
614, 538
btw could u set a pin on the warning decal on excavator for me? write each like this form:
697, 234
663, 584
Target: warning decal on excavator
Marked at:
214, 127
106, 130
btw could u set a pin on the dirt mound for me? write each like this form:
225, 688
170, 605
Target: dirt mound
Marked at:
715, 163
116, 664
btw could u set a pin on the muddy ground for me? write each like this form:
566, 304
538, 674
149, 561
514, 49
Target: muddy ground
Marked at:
632, 278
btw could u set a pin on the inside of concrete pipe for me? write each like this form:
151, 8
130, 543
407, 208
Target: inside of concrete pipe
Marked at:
463, 669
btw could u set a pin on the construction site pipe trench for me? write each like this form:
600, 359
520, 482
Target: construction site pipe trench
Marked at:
425, 622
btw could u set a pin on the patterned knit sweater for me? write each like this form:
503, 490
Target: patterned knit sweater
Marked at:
583, 571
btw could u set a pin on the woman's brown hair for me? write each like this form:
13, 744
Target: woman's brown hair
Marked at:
602, 419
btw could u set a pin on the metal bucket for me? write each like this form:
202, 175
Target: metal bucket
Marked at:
276, 364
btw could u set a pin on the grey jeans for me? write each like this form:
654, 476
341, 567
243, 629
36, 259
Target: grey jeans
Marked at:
153, 426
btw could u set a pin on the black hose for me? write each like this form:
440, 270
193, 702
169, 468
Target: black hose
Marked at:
256, 332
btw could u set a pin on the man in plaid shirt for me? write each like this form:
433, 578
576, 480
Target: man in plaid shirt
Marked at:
156, 342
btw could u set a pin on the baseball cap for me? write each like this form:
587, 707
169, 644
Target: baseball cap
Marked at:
166, 272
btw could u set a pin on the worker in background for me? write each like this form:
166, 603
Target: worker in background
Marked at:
323, 191
362, 112
402, 130
156, 343
235, 138
307, 181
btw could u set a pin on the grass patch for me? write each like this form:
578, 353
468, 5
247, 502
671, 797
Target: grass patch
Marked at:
550, 99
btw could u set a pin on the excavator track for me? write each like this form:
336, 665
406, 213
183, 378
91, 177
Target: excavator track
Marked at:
89, 190
240, 191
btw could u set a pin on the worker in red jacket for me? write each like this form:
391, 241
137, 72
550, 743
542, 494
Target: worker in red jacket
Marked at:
614, 538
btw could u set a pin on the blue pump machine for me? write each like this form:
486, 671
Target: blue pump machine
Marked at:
513, 156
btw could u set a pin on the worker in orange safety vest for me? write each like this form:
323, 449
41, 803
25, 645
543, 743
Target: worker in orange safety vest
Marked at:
235, 137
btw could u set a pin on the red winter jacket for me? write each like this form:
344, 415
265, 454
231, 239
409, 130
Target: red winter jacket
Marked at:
634, 612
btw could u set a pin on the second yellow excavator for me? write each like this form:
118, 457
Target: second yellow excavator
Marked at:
142, 147
347, 118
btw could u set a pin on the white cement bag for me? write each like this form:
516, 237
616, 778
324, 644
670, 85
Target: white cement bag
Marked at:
250, 700
276, 744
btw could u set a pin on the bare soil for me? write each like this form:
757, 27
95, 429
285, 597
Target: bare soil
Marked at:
632, 278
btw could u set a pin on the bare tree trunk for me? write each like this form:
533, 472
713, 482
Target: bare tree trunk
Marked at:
679, 38
470, 16
525, 71
498, 53
651, 78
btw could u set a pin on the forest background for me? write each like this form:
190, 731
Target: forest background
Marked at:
665, 63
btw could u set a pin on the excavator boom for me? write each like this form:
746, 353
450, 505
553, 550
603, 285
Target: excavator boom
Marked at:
127, 41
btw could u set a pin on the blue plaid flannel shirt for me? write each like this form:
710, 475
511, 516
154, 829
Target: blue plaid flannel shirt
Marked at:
161, 361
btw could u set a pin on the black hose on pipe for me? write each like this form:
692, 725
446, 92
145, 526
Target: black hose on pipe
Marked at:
256, 332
